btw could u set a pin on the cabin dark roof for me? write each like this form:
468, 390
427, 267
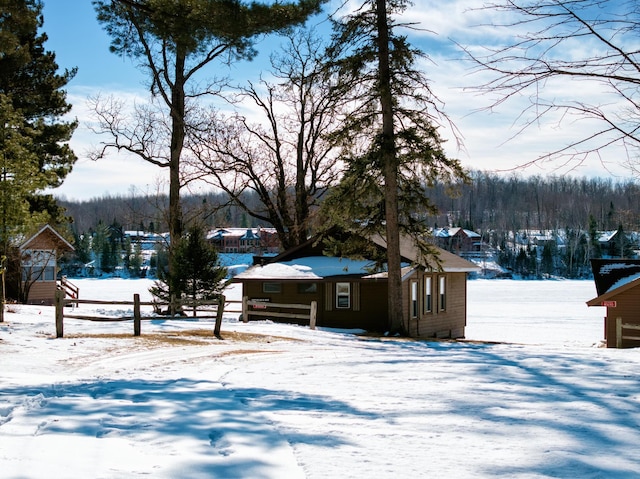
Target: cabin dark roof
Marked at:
609, 272
447, 262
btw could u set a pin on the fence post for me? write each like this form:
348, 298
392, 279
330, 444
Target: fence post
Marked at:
312, 315
618, 332
59, 314
245, 309
219, 313
136, 314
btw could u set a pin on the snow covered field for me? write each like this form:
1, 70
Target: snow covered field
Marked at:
278, 401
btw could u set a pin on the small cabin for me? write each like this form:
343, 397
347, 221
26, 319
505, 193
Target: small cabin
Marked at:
618, 288
350, 295
39, 264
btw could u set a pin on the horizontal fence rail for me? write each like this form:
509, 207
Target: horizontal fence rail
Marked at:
263, 306
61, 302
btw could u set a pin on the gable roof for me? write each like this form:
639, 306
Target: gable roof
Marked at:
307, 261
450, 232
52, 235
449, 262
613, 277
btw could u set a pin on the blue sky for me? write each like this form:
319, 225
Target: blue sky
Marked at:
491, 141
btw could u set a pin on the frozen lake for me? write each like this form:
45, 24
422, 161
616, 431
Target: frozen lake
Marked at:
534, 312
530, 312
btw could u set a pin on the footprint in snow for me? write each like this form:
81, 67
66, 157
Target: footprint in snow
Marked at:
218, 441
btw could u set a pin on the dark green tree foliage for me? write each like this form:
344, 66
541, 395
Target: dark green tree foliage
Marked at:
174, 40
546, 260
29, 79
390, 142
594, 245
196, 271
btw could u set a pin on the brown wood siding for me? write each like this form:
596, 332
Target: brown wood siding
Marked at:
628, 308
369, 304
369, 314
449, 323
288, 295
42, 292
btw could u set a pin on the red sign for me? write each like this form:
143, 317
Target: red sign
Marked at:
609, 304
260, 300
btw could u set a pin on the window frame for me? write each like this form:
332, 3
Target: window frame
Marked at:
38, 265
428, 294
275, 290
414, 303
342, 295
307, 288
442, 293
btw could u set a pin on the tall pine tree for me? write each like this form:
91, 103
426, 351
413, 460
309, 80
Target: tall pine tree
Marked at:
390, 141
33, 87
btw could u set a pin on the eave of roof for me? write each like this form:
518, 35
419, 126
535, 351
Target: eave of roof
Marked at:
629, 283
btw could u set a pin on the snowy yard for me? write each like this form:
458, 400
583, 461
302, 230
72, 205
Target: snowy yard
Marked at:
533, 397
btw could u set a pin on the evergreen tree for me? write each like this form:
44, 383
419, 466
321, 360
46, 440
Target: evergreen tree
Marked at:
196, 270
546, 260
19, 176
32, 90
595, 251
135, 263
390, 141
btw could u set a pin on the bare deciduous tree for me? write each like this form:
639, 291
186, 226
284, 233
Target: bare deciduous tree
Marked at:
282, 153
588, 48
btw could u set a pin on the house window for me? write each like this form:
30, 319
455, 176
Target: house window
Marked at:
39, 265
428, 294
343, 295
307, 288
273, 288
442, 292
414, 299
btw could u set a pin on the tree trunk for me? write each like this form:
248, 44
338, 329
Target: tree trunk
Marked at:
390, 168
177, 143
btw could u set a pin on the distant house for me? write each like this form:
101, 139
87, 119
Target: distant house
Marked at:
457, 240
616, 244
350, 295
146, 240
39, 255
618, 288
245, 240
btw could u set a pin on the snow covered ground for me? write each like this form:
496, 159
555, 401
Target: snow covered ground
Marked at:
278, 401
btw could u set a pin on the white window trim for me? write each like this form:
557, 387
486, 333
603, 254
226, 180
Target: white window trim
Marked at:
346, 293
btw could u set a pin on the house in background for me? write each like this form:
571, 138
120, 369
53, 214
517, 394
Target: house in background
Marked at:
350, 295
245, 240
618, 288
457, 240
39, 264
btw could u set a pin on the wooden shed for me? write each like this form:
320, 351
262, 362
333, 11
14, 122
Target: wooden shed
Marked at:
618, 288
350, 295
39, 264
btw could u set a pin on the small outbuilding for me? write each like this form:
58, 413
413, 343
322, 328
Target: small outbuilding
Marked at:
618, 288
39, 264
350, 294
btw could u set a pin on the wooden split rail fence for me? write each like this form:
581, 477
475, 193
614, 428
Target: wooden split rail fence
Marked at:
61, 302
259, 308
249, 308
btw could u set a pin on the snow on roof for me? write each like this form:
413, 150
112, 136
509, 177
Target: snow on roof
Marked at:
311, 267
623, 281
449, 232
